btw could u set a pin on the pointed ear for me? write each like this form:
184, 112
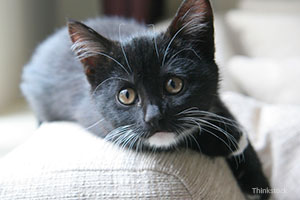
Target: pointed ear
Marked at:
193, 23
87, 44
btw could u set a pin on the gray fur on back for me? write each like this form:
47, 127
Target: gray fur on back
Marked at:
54, 82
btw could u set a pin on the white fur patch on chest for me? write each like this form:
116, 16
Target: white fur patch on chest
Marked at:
242, 145
162, 139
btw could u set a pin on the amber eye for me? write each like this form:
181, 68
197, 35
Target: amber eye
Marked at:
174, 85
127, 96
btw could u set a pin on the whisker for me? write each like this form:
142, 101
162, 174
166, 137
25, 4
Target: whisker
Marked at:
128, 138
108, 79
192, 115
186, 49
122, 139
191, 137
196, 24
112, 136
213, 126
94, 124
134, 140
122, 47
171, 41
155, 42
92, 53
230, 138
117, 131
183, 60
132, 137
223, 142
140, 146
195, 110
223, 122
186, 110
181, 131
219, 116
197, 143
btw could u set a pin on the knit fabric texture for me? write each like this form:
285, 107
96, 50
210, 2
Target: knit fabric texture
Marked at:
64, 161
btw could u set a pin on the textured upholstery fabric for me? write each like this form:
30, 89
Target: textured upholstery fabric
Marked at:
63, 161
274, 130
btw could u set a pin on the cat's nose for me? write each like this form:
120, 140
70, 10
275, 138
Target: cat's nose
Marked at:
152, 115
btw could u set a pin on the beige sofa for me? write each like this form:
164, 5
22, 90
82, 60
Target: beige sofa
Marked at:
63, 161
258, 51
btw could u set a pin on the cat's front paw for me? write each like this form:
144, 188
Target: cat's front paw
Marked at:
249, 175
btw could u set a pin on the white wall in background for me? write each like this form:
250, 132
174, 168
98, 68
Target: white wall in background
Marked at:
24, 24
12, 48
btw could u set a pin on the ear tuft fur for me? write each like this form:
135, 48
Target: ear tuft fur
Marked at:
193, 26
87, 43
192, 17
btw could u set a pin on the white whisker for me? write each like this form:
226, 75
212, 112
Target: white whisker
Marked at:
118, 131
94, 124
197, 143
108, 79
186, 49
213, 126
129, 136
204, 118
86, 48
171, 41
123, 50
155, 42
134, 140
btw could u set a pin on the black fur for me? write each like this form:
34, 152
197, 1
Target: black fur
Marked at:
57, 88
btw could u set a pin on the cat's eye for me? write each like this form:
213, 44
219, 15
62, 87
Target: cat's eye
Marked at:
174, 85
127, 96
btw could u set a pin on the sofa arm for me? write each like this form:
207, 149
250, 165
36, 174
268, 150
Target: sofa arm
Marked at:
63, 161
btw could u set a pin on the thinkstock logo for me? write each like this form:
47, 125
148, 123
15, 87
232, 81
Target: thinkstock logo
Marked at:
268, 190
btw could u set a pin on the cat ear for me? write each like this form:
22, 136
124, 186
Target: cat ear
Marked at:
193, 23
87, 44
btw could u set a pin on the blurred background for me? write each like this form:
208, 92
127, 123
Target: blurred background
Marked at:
257, 44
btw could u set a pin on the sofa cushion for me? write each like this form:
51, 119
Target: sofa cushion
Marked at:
63, 161
274, 130
264, 34
267, 79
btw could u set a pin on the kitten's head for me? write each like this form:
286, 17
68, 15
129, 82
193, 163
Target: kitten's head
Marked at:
144, 86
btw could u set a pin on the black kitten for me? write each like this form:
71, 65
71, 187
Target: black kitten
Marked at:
142, 89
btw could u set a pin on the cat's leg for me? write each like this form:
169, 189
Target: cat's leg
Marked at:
243, 161
222, 136
249, 174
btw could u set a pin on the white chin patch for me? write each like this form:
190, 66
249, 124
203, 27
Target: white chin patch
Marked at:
162, 139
